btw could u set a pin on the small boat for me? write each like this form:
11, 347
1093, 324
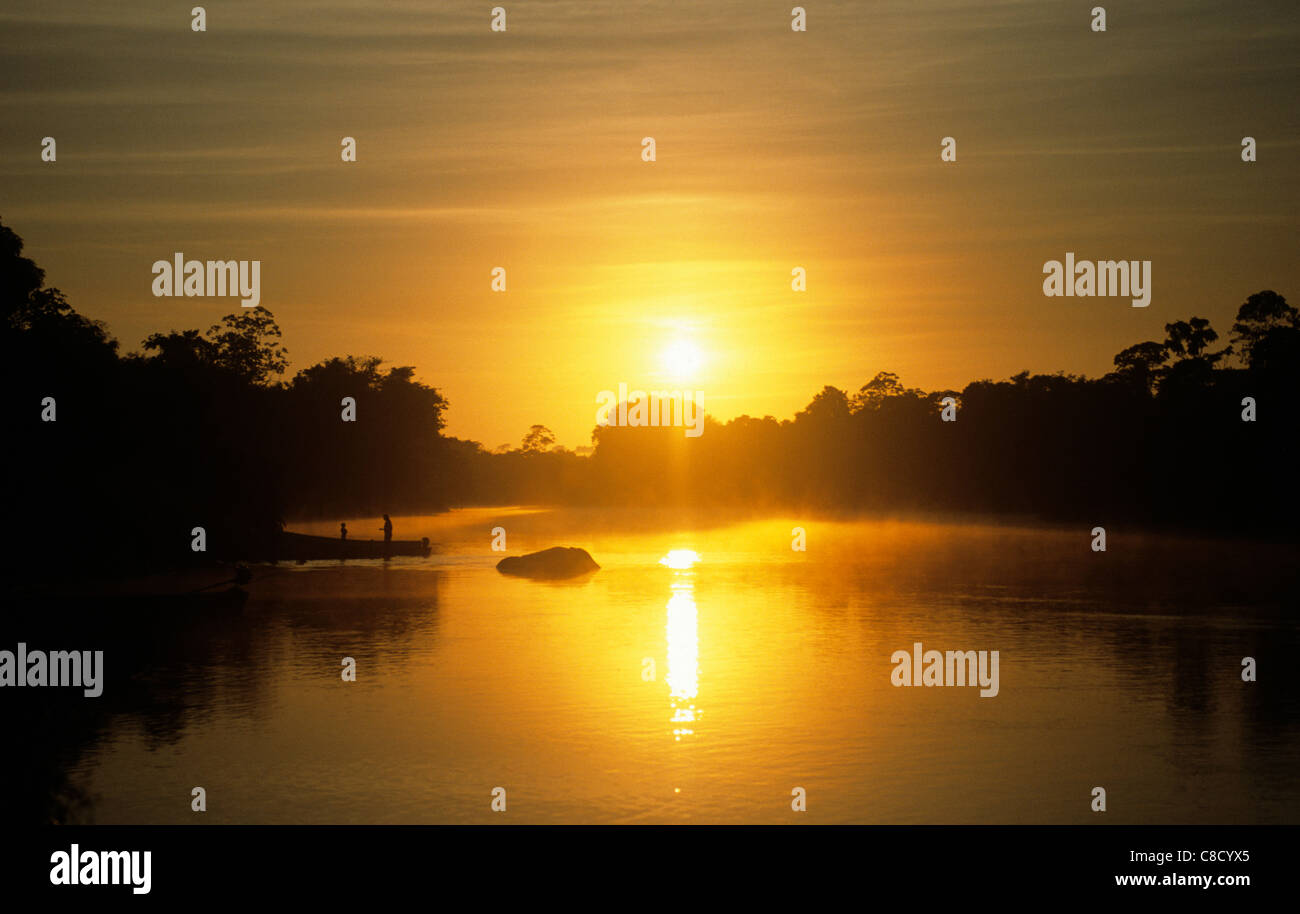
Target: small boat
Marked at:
299, 547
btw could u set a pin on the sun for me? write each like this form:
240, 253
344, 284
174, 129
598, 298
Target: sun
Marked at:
681, 360
680, 559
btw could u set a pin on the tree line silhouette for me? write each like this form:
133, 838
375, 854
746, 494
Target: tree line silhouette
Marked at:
1160, 441
197, 429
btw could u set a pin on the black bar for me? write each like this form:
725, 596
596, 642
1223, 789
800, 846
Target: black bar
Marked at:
639, 862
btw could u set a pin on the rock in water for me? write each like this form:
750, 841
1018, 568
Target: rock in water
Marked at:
556, 562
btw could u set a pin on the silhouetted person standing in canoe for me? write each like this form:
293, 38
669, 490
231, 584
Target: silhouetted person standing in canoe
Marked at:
343, 531
388, 530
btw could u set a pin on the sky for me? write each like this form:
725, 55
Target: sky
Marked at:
775, 149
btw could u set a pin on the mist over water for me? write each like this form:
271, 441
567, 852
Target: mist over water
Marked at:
772, 671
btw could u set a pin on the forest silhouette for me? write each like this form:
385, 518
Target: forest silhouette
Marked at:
198, 428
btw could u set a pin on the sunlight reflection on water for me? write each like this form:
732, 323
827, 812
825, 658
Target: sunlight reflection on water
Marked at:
467, 679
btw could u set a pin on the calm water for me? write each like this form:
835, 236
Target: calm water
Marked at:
771, 671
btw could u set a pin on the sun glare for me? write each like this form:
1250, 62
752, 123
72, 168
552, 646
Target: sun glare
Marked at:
680, 559
682, 360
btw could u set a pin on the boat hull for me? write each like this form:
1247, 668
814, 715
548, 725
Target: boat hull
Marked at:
300, 547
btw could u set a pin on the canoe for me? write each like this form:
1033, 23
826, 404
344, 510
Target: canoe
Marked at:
299, 547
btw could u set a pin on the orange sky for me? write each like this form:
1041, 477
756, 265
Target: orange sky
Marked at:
775, 149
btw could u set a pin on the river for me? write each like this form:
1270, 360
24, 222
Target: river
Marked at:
709, 671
